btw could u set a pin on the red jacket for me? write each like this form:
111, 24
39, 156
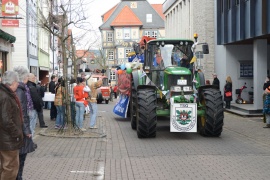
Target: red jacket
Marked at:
80, 95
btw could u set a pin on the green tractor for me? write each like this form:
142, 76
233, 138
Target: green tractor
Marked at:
169, 85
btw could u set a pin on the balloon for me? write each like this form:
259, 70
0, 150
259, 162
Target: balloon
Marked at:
120, 71
123, 66
129, 70
128, 65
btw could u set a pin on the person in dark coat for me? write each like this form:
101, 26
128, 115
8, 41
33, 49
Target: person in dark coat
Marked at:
41, 92
266, 102
21, 94
216, 81
37, 100
11, 122
52, 85
228, 92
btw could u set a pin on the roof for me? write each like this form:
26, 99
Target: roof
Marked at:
85, 54
108, 14
113, 18
122, 20
158, 8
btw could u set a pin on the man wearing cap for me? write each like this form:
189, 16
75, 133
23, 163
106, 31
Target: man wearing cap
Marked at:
216, 80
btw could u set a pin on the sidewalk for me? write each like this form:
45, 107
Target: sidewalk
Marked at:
67, 156
69, 131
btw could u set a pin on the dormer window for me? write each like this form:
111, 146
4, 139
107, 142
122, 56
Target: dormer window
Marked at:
148, 18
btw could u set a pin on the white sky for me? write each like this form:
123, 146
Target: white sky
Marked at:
98, 7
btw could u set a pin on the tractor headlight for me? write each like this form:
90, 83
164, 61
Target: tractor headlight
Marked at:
175, 88
187, 88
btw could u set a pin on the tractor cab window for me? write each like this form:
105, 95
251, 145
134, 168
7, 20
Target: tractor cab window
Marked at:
171, 55
105, 82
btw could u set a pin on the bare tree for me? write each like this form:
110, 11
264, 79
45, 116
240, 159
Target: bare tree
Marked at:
65, 16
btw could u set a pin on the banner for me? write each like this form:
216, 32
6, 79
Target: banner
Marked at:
10, 7
121, 107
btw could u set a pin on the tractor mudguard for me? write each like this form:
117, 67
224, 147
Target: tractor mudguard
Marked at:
146, 86
137, 78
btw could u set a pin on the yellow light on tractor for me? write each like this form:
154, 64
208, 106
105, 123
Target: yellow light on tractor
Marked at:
195, 35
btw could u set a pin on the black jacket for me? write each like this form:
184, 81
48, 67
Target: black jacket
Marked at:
216, 82
227, 88
37, 100
52, 87
11, 135
266, 85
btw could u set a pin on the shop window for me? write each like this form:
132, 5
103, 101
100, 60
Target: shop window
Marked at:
246, 69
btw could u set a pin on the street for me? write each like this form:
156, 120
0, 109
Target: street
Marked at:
241, 152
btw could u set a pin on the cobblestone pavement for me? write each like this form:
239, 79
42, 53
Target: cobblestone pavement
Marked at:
242, 152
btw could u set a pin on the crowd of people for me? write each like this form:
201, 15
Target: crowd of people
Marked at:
21, 105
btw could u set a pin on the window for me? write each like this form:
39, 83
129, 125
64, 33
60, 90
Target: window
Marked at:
154, 34
111, 56
148, 18
147, 33
246, 69
112, 75
109, 37
127, 51
126, 33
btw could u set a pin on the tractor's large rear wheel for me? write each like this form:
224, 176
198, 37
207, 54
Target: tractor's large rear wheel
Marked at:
211, 124
146, 113
133, 105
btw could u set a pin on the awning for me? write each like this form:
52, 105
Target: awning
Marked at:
7, 36
44, 68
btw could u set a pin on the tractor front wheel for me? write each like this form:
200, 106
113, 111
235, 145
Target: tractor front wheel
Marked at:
146, 113
212, 122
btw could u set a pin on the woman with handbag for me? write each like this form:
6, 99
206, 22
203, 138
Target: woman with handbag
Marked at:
228, 92
28, 145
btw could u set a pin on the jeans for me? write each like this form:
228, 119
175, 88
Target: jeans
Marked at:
33, 120
60, 116
267, 116
93, 113
49, 105
79, 106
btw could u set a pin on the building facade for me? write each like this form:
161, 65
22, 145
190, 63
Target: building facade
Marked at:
43, 43
243, 38
125, 24
183, 18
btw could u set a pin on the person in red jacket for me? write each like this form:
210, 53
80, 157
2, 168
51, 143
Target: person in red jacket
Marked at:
80, 94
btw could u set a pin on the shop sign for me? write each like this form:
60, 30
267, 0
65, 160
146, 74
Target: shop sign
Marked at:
10, 7
10, 23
